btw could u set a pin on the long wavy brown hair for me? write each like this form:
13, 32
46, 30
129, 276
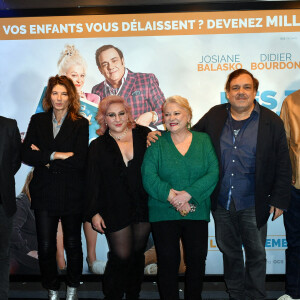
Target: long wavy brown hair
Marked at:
73, 97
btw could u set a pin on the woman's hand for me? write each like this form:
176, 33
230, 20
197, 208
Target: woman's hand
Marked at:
62, 155
82, 95
171, 195
57, 155
185, 209
98, 223
181, 198
152, 137
34, 147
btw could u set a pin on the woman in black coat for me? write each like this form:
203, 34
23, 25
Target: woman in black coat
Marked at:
56, 145
117, 201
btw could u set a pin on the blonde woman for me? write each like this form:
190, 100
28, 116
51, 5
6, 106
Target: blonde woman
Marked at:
73, 65
180, 171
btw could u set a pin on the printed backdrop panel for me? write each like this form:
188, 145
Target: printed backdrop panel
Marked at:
191, 54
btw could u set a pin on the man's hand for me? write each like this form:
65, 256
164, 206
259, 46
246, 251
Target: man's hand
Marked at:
98, 223
152, 137
277, 212
144, 119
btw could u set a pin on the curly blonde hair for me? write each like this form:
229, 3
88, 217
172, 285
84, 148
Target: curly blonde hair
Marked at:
69, 57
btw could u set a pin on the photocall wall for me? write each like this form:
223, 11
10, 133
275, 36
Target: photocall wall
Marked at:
190, 54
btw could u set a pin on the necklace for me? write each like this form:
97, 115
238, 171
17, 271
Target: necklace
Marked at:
120, 136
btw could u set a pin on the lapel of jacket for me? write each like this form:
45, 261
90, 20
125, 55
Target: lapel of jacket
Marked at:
104, 91
128, 85
3, 135
47, 126
114, 152
219, 125
262, 135
65, 131
137, 147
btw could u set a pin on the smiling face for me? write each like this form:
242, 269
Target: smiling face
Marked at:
241, 94
112, 67
59, 99
176, 118
116, 118
77, 74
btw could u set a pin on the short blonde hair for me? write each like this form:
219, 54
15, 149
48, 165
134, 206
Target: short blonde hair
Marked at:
182, 102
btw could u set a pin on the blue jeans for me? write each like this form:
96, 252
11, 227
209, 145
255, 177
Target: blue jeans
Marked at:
292, 227
235, 230
5, 236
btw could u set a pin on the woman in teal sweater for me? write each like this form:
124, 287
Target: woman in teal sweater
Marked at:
180, 171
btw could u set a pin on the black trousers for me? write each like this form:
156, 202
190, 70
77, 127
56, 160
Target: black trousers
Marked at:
194, 235
46, 227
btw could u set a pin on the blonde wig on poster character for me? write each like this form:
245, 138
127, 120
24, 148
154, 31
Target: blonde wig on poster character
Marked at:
69, 57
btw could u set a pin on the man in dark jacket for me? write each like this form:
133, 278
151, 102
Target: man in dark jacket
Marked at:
10, 161
255, 176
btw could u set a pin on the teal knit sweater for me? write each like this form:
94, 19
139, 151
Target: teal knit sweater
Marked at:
196, 172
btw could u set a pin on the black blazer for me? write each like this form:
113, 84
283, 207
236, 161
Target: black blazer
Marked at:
273, 167
59, 188
115, 191
10, 162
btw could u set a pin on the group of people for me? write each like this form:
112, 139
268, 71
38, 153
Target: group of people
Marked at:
234, 161
140, 90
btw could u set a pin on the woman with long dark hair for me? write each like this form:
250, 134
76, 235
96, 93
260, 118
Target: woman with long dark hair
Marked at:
56, 145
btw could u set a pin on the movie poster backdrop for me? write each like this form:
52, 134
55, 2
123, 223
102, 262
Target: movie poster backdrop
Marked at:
191, 55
